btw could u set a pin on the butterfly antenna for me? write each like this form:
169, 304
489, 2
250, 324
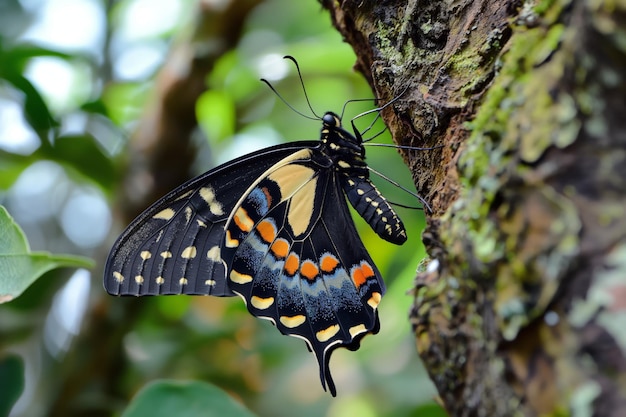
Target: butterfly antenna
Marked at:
411, 148
306, 96
403, 188
286, 103
376, 110
354, 100
393, 203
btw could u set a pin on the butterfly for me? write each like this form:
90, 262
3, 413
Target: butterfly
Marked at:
274, 228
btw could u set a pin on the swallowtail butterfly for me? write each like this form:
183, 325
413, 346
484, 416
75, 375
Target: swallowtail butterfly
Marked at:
272, 227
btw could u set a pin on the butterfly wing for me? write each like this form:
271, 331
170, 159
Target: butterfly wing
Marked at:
175, 246
298, 261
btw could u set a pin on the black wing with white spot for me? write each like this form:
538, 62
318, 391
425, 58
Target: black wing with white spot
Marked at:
274, 228
175, 246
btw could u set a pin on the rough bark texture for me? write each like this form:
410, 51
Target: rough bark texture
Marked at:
521, 310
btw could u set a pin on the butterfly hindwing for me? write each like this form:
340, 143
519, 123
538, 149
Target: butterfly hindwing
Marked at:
175, 246
298, 261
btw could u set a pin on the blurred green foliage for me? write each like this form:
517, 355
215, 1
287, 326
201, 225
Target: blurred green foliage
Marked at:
20, 267
75, 151
184, 399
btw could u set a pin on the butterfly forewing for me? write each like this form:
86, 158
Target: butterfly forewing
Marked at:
175, 246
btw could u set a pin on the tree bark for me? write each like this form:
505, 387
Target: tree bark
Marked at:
521, 310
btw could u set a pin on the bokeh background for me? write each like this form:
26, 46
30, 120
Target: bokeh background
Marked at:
76, 78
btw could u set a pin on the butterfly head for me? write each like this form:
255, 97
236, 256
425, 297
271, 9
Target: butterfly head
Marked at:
331, 120
337, 137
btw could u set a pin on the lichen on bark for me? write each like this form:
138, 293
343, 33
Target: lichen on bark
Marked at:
520, 309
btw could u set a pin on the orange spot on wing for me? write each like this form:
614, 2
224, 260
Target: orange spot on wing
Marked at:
267, 231
367, 270
361, 273
242, 220
291, 264
328, 263
280, 248
309, 270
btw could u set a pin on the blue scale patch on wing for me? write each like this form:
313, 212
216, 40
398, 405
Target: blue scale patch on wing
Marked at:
176, 246
298, 262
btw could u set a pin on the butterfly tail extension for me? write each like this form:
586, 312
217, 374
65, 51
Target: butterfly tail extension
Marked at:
342, 289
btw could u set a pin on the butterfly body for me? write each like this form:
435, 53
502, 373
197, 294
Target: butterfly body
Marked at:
274, 228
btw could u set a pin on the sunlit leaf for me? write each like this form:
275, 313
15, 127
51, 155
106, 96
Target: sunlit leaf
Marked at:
184, 399
19, 267
124, 101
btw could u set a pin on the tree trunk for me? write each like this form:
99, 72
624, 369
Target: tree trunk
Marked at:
521, 310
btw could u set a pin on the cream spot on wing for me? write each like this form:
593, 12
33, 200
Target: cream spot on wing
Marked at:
374, 300
185, 195
261, 303
214, 254
145, 255
327, 333
118, 277
301, 208
356, 330
242, 220
164, 214
239, 278
230, 242
293, 321
208, 195
189, 252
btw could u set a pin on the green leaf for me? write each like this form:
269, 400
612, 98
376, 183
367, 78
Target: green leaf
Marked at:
184, 399
12, 167
84, 154
15, 58
12, 377
19, 267
36, 111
